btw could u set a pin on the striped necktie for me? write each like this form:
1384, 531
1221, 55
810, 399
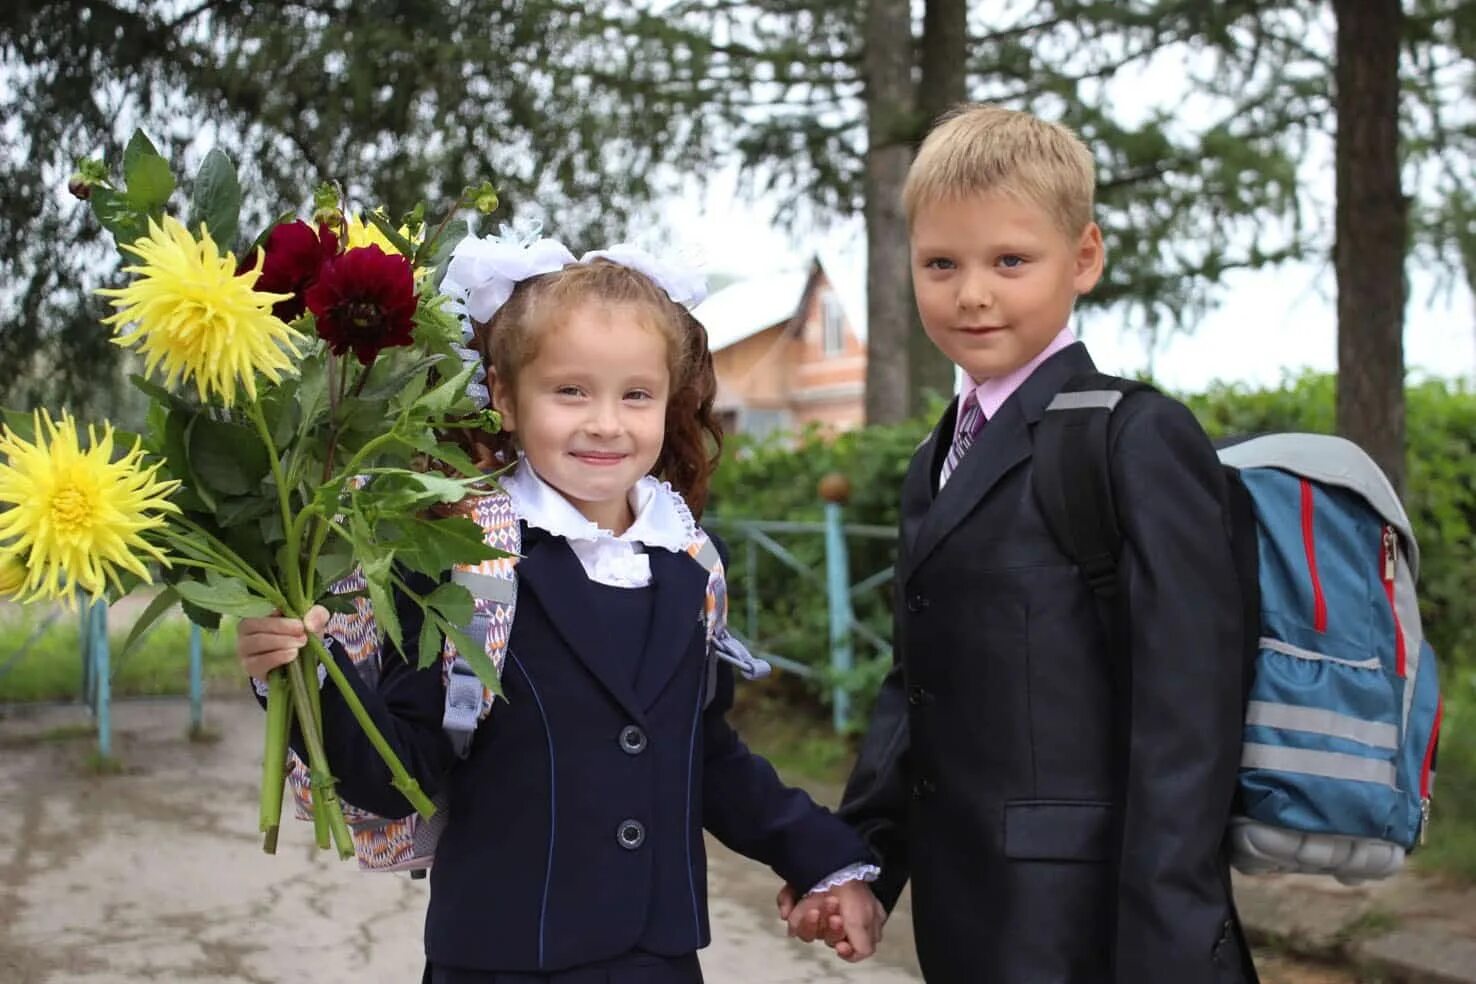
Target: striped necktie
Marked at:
970, 422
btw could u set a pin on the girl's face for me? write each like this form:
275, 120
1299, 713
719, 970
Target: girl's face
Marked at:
590, 408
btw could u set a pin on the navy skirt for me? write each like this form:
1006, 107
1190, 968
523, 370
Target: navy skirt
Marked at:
633, 968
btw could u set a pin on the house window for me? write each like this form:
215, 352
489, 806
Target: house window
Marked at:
760, 423
832, 324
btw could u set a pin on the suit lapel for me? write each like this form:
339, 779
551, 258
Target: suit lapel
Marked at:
551, 571
919, 486
678, 611
1003, 444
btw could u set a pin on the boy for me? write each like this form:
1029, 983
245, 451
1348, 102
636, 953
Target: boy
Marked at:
1058, 804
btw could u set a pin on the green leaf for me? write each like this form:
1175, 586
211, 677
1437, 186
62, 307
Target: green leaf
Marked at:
335, 560
243, 509
434, 546
440, 400
475, 656
453, 601
162, 602
386, 383
280, 407
429, 641
150, 183
115, 214
217, 200
312, 399
433, 254
22, 425
139, 146
398, 241
445, 489
377, 576
226, 458
203, 617
224, 596
152, 389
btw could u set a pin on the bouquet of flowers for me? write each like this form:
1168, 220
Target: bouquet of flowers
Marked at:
299, 402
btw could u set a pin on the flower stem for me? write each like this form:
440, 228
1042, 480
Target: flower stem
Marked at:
402, 780
274, 758
324, 797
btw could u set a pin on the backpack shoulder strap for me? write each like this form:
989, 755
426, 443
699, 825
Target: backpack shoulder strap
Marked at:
1073, 480
721, 644
494, 589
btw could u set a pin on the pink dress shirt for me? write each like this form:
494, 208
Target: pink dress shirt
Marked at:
994, 391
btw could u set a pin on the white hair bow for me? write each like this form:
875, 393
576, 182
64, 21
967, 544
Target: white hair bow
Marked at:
483, 271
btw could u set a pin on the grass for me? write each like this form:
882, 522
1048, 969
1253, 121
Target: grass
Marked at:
49, 666
795, 735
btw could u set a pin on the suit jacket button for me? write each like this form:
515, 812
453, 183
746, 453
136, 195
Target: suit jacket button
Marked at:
923, 788
917, 696
917, 603
632, 740
631, 834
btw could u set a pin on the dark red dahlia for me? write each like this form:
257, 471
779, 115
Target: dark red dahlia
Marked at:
295, 254
364, 300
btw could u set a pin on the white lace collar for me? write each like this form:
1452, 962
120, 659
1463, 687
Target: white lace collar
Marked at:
662, 518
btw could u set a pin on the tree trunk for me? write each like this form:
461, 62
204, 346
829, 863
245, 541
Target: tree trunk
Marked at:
944, 56
1372, 232
887, 67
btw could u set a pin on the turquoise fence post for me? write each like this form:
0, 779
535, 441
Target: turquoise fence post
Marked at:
84, 634
197, 681
101, 673
835, 489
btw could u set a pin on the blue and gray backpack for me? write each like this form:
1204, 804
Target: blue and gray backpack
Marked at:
1343, 710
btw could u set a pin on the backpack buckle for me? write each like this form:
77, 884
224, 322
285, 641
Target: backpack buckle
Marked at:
728, 649
463, 706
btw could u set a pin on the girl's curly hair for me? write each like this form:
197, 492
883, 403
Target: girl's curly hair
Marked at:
693, 441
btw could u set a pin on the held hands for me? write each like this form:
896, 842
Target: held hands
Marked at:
263, 644
847, 917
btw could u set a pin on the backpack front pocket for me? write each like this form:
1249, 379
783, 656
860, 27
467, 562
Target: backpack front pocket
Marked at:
1321, 743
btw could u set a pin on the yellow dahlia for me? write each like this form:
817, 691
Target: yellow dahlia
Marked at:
12, 574
188, 311
77, 515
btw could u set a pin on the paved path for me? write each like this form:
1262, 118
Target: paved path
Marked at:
157, 874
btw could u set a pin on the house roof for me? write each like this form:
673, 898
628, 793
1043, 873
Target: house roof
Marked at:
748, 306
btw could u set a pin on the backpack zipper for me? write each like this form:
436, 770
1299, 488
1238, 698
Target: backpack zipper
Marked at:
1319, 602
1427, 770
1391, 547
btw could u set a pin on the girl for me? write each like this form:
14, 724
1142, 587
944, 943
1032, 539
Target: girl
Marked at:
572, 851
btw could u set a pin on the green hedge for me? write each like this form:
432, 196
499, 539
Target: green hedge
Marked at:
777, 480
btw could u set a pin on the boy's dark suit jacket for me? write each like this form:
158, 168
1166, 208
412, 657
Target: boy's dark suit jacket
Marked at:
993, 773
540, 867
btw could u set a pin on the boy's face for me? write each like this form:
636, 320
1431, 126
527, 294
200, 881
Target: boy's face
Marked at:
995, 279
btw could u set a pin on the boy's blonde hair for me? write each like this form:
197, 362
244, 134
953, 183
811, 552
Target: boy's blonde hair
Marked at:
977, 148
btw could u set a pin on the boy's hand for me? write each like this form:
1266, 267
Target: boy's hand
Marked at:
848, 917
263, 644
863, 917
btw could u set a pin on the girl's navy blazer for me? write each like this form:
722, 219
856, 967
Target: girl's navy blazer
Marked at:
575, 824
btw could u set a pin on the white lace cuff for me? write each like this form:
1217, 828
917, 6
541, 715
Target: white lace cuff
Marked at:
261, 688
856, 872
